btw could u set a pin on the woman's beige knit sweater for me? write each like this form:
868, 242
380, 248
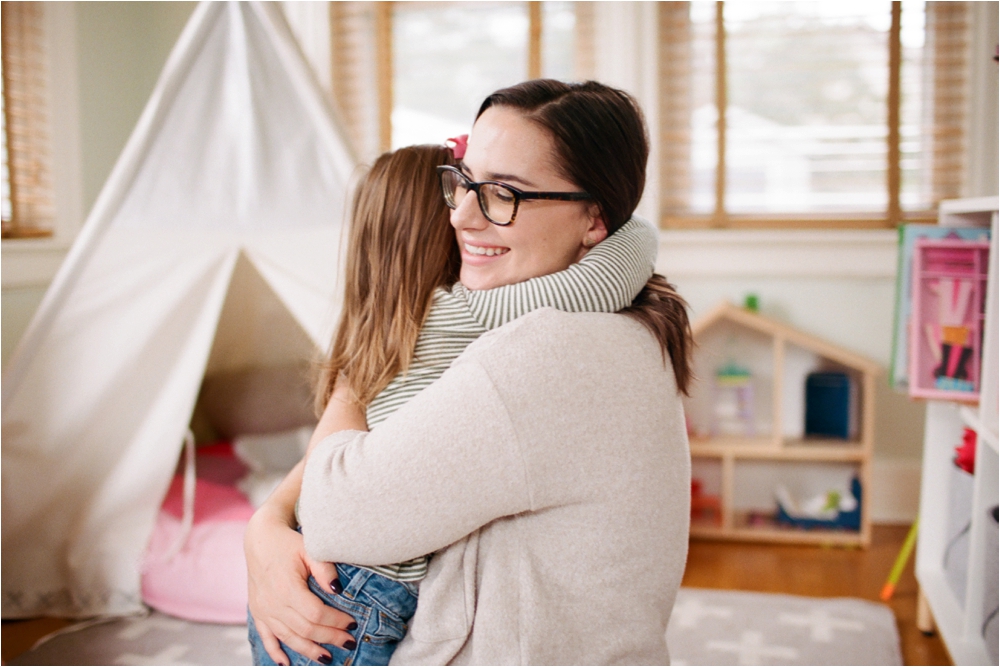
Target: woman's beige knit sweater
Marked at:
549, 470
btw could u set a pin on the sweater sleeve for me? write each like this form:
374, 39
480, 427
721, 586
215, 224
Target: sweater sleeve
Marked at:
606, 280
426, 477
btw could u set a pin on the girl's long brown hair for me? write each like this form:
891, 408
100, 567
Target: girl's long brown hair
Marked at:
400, 248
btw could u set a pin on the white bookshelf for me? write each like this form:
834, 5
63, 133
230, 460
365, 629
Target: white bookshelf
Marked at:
957, 568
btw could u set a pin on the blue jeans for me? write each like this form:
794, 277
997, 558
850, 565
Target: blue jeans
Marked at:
380, 606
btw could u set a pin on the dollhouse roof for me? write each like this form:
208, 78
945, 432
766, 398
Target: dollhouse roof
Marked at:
726, 311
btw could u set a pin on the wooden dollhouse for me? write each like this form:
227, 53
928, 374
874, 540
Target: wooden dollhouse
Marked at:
751, 438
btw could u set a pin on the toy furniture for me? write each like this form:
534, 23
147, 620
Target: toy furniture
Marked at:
744, 466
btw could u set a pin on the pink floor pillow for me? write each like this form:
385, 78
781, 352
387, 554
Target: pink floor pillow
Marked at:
207, 579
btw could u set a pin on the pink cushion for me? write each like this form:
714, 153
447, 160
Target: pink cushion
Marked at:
207, 579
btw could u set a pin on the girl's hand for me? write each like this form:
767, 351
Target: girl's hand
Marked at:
282, 606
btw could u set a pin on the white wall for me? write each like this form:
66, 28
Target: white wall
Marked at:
838, 285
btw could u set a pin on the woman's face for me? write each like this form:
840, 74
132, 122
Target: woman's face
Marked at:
546, 236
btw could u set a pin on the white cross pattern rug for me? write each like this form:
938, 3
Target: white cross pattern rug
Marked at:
712, 627
708, 627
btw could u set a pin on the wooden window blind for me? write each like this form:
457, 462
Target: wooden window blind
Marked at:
810, 114
946, 67
356, 74
28, 200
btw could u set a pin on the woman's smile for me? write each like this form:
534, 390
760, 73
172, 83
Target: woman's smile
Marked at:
475, 252
546, 236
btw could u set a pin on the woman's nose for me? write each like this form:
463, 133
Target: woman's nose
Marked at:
468, 215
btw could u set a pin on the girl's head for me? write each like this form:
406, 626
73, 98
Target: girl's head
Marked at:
550, 136
400, 248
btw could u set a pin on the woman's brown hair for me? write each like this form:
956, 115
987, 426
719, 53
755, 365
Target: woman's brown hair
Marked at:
601, 146
400, 248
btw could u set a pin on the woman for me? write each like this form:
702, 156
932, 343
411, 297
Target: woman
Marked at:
548, 468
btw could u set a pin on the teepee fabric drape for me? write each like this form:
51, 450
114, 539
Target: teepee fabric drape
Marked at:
236, 161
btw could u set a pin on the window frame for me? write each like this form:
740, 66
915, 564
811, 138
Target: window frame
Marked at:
33, 262
720, 218
361, 57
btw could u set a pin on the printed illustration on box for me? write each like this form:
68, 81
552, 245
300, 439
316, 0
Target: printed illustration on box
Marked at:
949, 287
908, 236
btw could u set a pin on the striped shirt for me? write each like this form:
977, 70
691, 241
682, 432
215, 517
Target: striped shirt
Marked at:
606, 280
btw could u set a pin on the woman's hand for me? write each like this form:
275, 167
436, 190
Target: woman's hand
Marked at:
278, 567
282, 606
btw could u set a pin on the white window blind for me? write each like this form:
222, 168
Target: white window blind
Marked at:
27, 187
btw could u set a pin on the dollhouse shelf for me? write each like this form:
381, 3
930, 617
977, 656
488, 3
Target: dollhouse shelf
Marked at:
781, 358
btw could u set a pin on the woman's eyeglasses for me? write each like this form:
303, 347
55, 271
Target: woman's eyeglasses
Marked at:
498, 201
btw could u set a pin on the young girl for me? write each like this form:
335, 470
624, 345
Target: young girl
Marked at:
405, 319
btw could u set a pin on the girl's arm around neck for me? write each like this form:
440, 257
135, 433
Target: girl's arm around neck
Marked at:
342, 413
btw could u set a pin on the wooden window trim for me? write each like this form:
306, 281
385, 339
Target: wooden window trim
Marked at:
534, 39
383, 50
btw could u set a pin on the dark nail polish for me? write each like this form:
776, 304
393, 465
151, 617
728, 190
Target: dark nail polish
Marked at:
337, 588
325, 659
352, 626
350, 645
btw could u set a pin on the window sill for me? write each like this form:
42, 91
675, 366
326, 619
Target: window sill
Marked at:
771, 253
31, 262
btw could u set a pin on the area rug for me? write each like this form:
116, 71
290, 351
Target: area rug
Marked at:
708, 627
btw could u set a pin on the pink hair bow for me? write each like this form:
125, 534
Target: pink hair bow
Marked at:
458, 145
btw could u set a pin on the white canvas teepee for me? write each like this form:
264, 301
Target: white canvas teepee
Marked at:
234, 180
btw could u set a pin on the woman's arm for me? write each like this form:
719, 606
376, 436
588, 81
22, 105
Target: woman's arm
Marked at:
444, 464
280, 601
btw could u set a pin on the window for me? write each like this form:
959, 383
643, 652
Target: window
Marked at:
408, 73
27, 185
836, 114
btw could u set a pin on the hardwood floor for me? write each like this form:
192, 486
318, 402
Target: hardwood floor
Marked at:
815, 571
19, 636
820, 572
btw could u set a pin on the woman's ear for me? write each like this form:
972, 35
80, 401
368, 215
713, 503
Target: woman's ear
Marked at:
597, 230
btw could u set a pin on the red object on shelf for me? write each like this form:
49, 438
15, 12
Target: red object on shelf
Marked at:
704, 506
965, 454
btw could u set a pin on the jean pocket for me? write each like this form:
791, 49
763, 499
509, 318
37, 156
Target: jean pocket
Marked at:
384, 628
